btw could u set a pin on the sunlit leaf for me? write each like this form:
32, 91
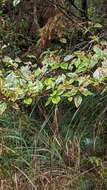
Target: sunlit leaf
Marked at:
16, 2
37, 72
68, 57
77, 100
63, 40
28, 101
77, 62
26, 72
98, 51
70, 99
96, 74
60, 79
98, 25
64, 66
56, 99
87, 92
18, 60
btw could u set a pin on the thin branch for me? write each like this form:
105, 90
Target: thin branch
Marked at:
75, 6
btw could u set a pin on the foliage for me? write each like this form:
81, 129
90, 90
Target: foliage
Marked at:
60, 77
53, 72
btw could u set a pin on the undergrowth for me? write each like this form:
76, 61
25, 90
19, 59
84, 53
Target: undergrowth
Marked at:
33, 156
53, 95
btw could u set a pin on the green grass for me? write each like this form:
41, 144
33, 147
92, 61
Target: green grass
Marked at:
32, 157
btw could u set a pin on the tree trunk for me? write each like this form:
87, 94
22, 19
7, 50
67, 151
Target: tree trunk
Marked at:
84, 7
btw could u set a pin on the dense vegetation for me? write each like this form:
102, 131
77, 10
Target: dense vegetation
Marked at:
53, 75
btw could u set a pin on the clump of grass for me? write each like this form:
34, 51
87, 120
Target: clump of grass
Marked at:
32, 156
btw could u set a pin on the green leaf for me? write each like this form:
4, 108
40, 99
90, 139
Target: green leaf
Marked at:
48, 101
26, 72
70, 99
98, 51
98, 25
55, 66
55, 92
50, 83
64, 65
18, 60
77, 62
3, 107
28, 101
31, 56
8, 61
63, 40
70, 93
39, 85
93, 62
72, 75
77, 100
86, 92
56, 99
37, 72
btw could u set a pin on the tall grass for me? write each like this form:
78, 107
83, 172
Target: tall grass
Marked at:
34, 156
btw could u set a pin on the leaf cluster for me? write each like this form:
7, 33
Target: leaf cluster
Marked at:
62, 77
